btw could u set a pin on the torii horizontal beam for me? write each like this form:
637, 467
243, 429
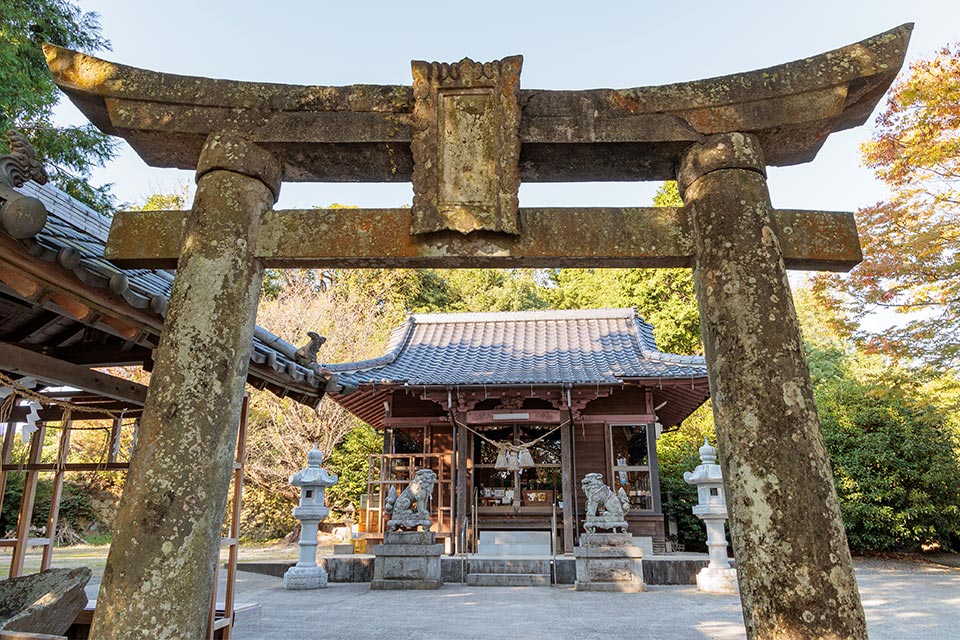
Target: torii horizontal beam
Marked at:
588, 237
362, 133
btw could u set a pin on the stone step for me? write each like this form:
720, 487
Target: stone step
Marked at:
504, 565
515, 537
512, 549
508, 580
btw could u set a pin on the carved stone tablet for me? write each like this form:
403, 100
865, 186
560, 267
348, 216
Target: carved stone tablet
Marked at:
466, 146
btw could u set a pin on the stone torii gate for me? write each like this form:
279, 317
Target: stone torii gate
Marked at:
466, 134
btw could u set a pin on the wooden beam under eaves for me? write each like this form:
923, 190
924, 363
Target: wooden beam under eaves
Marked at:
19, 361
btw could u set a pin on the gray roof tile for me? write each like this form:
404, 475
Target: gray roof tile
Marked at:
601, 346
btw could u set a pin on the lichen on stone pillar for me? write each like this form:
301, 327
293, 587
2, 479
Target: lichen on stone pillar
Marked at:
795, 570
159, 574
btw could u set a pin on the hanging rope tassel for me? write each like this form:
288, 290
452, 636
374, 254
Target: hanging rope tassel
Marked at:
501, 463
526, 459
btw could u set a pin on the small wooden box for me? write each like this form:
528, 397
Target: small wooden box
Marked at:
538, 497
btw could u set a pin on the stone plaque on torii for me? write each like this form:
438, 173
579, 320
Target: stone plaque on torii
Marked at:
465, 134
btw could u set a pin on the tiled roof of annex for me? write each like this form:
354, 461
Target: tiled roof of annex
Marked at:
585, 346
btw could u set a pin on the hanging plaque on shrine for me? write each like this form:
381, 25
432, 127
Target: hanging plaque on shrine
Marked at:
466, 146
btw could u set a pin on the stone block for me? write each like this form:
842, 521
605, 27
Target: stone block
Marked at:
348, 568
403, 585
718, 580
614, 570
407, 560
565, 571
613, 567
46, 602
608, 552
466, 146
618, 587
508, 580
591, 540
297, 578
343, 549
410, 537
407, 549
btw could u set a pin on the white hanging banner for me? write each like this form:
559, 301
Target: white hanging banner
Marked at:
33, 417
27, 428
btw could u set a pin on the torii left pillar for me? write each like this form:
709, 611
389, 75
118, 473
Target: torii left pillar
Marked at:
166, 537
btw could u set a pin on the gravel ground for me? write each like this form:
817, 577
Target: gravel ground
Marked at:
904, 598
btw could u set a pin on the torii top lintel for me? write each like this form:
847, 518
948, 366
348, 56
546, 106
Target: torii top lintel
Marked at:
363, 132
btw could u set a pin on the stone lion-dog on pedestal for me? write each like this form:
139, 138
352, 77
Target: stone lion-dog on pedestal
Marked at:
410, 510
615, 505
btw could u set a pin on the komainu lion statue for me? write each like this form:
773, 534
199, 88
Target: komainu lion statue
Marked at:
410, 509
615, 505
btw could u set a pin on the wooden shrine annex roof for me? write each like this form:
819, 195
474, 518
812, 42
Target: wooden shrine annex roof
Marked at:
582, 348
63, 301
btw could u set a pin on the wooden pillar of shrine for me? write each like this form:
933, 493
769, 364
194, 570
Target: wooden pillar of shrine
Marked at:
795, 570
568, 485
462, 499
167, 531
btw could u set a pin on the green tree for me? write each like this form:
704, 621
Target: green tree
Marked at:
485, 290
177, 200
896, 464
911, 241
350, 460
678, 452
663, 297
28, 94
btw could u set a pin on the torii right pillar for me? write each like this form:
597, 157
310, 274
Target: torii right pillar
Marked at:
796, 573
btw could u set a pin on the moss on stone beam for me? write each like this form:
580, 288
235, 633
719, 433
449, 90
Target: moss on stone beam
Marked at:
588, 237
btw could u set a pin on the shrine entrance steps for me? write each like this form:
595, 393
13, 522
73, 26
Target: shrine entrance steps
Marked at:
514, 544
508, 572
511, 558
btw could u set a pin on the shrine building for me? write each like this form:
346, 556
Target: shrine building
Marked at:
511, 410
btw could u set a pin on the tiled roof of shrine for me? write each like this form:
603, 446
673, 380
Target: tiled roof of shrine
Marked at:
591, 346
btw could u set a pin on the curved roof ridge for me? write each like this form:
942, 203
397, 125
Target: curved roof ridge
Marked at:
649, 348
645, 337
578, 346
399, 337
520, 316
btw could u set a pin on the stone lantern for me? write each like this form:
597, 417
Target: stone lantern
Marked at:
718, 576
313, 482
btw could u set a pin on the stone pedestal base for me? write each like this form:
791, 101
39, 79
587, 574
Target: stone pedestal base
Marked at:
717, 580
609, 562
407, 560
305, 578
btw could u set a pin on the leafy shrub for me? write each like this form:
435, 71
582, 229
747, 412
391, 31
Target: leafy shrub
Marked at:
77, 510
677, 452
896, 464
349, 460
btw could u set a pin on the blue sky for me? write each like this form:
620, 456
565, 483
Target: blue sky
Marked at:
566, 45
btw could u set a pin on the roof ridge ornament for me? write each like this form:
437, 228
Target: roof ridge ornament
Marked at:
21, 164
20, 216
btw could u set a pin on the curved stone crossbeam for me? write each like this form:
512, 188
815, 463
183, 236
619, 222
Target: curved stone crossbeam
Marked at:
363, 132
